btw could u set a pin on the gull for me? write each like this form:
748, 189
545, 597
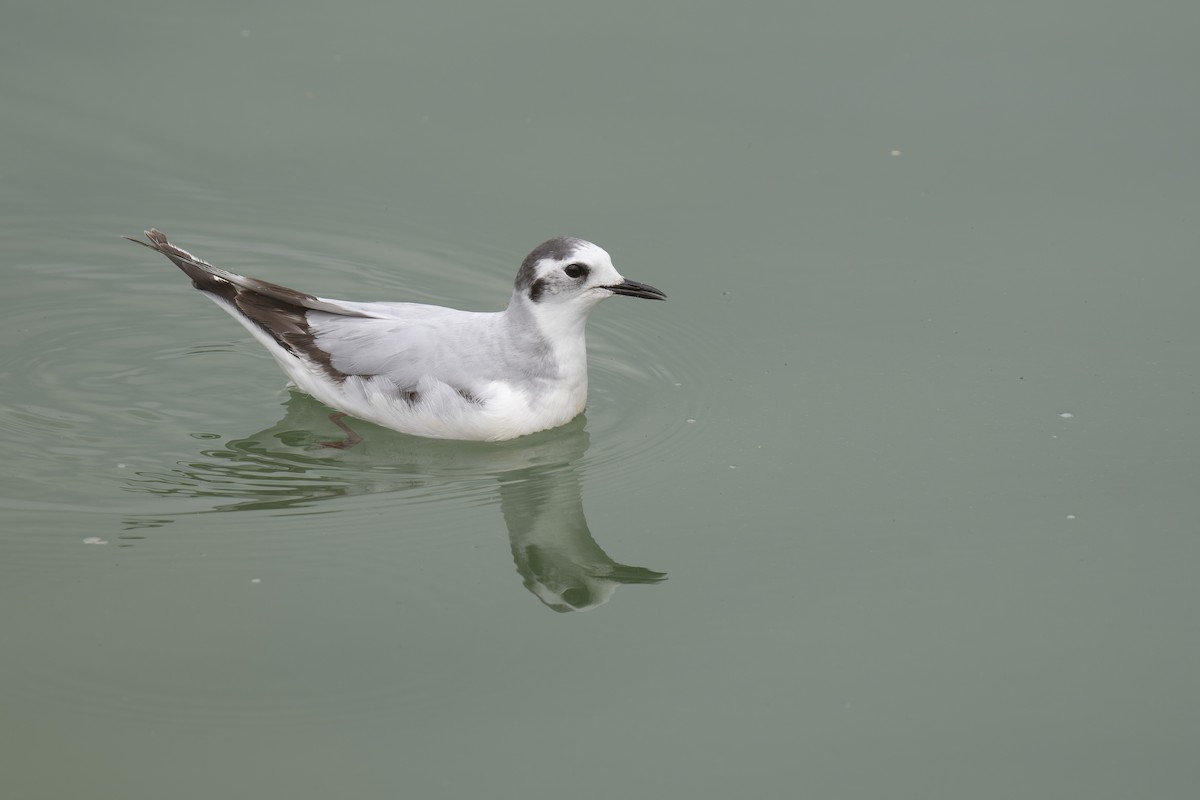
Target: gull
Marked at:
429, 370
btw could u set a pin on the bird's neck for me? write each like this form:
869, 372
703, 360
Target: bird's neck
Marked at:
562, 329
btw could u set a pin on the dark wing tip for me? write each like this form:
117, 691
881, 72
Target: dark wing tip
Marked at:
158, 240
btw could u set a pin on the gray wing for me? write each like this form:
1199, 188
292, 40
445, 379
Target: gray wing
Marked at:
458, 348
403, 342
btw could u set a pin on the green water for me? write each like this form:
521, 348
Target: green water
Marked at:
894, 497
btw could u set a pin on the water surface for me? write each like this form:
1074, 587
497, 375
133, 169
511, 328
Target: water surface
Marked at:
895, 496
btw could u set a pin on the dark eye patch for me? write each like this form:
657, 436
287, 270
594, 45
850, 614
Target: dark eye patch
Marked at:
575, 270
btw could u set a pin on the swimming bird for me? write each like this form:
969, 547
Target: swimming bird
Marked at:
429, 370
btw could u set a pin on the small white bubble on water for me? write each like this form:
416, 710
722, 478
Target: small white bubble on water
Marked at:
690, 420
1066, 415
256, 580
94, 540
1070, 516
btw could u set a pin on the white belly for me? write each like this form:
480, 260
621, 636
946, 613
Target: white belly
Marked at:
499, 412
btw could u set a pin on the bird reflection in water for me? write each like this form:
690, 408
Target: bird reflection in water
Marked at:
537, 478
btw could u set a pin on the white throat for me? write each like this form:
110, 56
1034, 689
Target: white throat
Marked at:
563, 327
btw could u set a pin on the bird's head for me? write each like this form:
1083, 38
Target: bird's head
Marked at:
565, 275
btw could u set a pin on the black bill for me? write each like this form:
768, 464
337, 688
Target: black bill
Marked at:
635, 289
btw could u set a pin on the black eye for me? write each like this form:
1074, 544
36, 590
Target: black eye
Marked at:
575, 270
